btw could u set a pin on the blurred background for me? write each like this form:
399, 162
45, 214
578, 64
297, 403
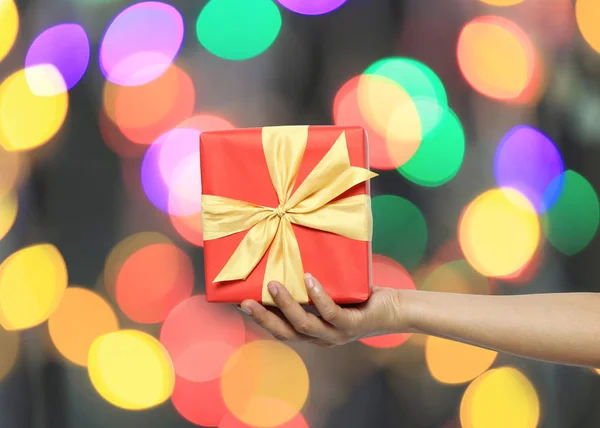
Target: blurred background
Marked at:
484, 124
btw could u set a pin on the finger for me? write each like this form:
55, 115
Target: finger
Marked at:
302, 321
329, 310
278, 327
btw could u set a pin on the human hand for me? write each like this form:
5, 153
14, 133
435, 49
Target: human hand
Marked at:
382, 313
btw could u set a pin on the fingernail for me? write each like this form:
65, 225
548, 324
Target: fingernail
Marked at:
245, 309
309, 281
273, 289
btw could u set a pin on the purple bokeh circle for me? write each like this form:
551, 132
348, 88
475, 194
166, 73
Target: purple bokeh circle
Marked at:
141, 43
154, 186
311, 7
171, 172
528, 161
64, 46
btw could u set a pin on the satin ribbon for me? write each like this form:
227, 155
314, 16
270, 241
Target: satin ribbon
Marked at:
311, 205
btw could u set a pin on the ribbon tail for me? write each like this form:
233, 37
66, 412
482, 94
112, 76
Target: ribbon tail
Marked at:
284, 265
250, 251
349, 217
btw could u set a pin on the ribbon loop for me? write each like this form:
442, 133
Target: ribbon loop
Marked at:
270, 229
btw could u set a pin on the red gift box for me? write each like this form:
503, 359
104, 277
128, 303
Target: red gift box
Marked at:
234, 165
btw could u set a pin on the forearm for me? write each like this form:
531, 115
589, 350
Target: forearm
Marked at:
562, 328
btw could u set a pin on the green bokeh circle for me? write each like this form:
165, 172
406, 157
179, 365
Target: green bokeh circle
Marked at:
418, 80
442, 149
399, 230
238, 29
571, 223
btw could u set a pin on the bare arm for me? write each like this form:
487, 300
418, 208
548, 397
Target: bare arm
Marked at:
561, 328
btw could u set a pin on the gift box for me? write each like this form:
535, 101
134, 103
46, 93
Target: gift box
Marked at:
281, 201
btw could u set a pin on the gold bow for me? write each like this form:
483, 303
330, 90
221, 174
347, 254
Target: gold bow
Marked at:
310, 206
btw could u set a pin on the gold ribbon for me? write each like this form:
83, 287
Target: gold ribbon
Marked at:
309, 206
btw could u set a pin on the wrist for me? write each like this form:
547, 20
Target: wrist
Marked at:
406, 319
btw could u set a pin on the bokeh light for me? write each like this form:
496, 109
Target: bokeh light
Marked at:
9, 344
121, 253
399, 230
141, 43
524, 275
9, 26
441, 153
265, 383
388, 273
456, 277
81, 318
453, 362
142, 113
116, 141
312, 7
498, 60
389, 109
418, 80
346, 112
189, 228
499, 232
152, 281
199, 402
170, 172
500, 398
9, 206
230, 421
587, 13
131, 369
179, 167
28, 120
235, 30
13, 168
64, 46
572, 222
201, 336
553, 23
32, 283
526, 160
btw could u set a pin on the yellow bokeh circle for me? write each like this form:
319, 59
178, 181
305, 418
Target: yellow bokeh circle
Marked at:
9, 26
390, 110
9, 206
497, 58
9, 350
13, 167
45, 80
499, 232
500, 398
453, 362
131, 369
587, 13
81, 318
28, 119
265, 383
32, 283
